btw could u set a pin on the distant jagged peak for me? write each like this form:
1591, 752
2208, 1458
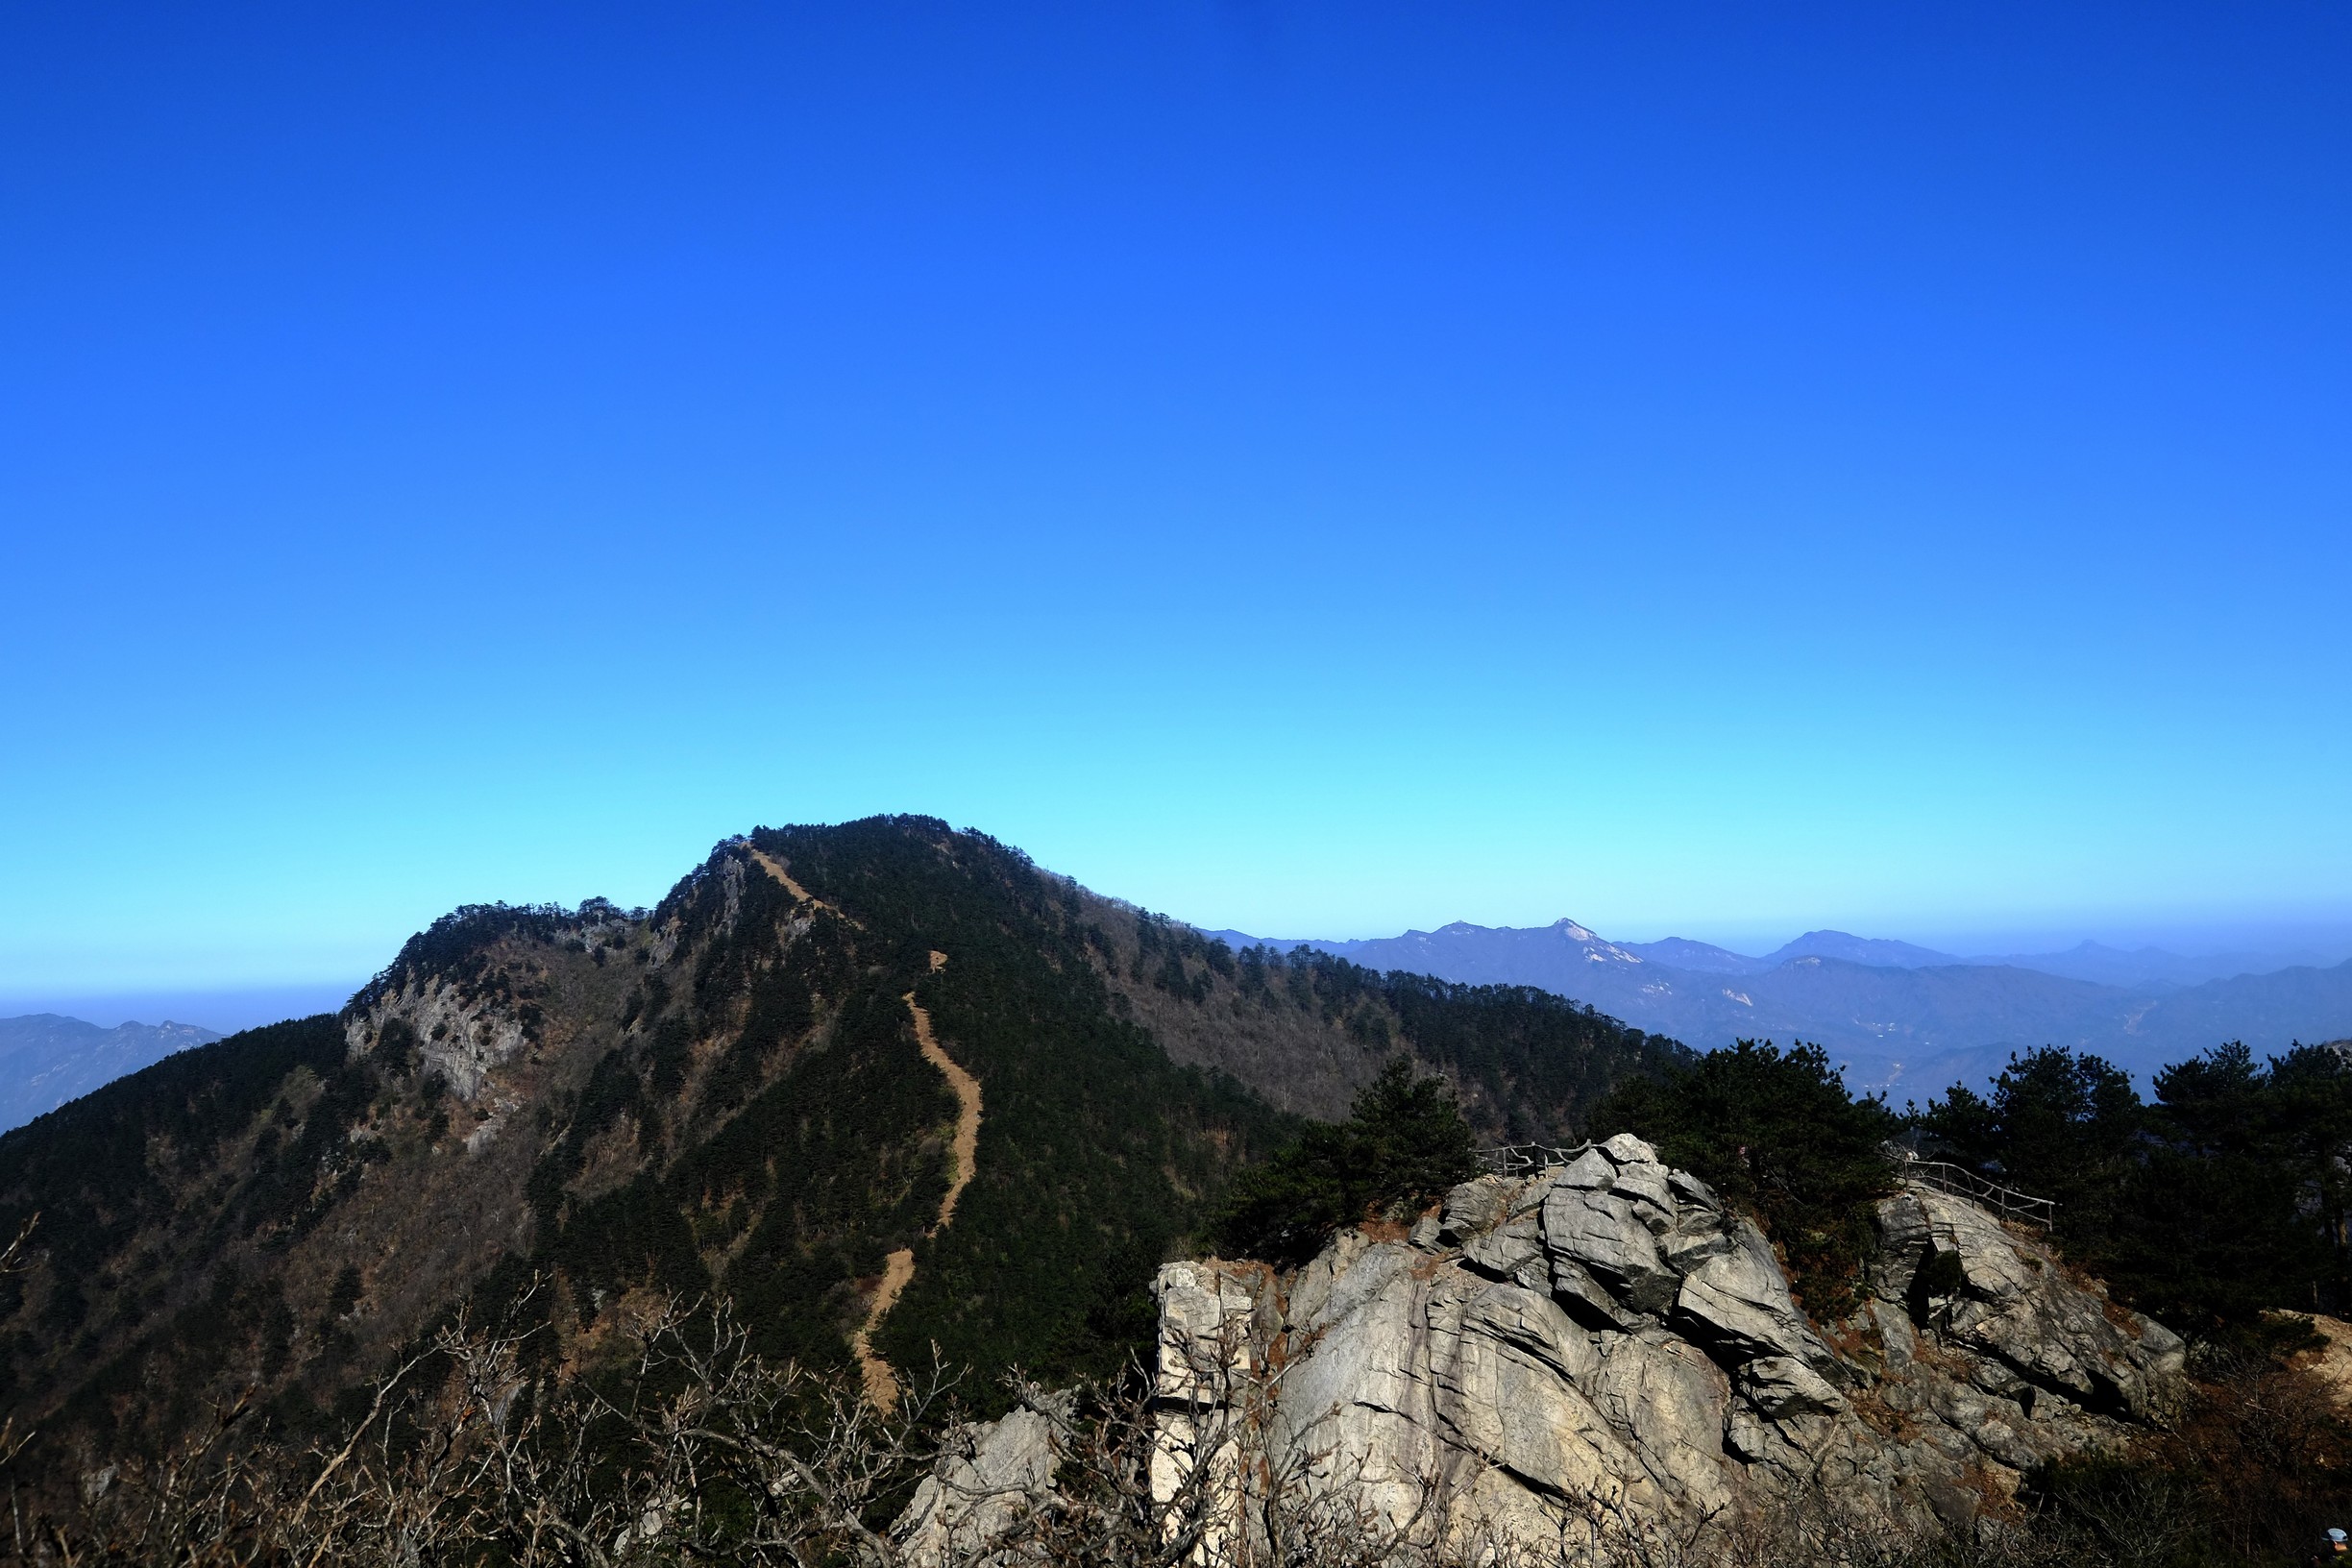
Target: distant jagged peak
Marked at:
1598, 948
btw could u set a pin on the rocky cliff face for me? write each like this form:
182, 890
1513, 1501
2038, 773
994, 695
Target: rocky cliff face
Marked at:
1605, 1332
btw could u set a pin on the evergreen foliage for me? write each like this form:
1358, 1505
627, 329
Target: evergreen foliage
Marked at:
1405, 1145
2225, 1198
1778, 1134
1531, 1063
1098, 1155
2056, 1125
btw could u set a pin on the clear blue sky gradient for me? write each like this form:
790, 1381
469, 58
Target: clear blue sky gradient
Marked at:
1313, 469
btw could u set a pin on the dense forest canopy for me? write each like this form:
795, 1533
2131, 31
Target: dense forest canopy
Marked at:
2225, 1196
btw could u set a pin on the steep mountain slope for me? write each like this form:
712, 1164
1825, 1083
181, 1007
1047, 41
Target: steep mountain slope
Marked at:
546, 1110
1307, 1030
46, 1060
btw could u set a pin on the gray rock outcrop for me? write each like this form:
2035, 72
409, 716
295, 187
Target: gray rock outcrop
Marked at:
988, 1479
1607, 1331
460, 1035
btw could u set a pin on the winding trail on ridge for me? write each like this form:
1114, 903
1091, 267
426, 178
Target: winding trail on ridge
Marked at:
898, 1269
775, 868
968, 1105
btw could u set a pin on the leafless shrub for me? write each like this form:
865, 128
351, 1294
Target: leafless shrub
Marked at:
696, 1450
674, 1443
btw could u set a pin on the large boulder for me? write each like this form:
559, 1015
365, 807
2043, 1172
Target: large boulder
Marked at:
988, 1479
2006, 1297
1600, 1235
1735, 1299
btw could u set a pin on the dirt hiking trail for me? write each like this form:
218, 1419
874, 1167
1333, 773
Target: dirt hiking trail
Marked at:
775, 868
967, 1104
898, 1268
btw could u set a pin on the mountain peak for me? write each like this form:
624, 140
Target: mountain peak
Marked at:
1877, 951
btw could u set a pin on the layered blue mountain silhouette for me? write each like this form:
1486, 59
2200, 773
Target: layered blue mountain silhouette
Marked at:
47, 1059
1901, 1017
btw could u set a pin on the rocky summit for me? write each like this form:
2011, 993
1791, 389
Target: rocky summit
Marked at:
1606, 1331
1599, 1345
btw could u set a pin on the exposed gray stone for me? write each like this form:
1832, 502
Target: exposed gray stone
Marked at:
1904, 1237
2015, 1305
1670, 1401
1591, 1171
1511, 1387
1782, 1386
1691, 1190
988, 1479
1898, 1345
1501, 1251
1475, 1208
1746, 1434
1737, 1304
1627, 1150
462, 1036
1645, 1187
1601, 1231
1529, 1194
1587, 1300
1696, 1237
1541, 1342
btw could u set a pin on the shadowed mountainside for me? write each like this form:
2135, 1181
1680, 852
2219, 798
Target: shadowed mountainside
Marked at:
725, 1094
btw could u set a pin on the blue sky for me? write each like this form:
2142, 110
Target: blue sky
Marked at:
1313, 469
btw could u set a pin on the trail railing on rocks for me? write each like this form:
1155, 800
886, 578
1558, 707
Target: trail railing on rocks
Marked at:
1525, 1159
1522, 1159
1962, 1183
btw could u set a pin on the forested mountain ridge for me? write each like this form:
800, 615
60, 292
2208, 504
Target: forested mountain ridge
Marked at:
1309, 1030
723, 1096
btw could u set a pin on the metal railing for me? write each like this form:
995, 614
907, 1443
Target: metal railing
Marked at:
1521, 1158
1962, 1183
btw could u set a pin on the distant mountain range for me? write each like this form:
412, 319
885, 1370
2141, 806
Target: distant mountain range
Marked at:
1901, 1017
47, 1059
2147, 968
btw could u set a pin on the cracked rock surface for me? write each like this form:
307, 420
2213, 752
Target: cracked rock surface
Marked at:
1606, 1328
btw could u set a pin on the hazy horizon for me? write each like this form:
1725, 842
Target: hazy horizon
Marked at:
243, 1002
